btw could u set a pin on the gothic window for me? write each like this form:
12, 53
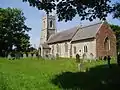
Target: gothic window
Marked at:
85, 49
70, 50
57, 48
74, 50
107, 44
51, 23
66, 47
52, 49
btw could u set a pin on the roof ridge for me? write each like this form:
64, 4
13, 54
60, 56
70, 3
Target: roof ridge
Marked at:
91, 25
80, 27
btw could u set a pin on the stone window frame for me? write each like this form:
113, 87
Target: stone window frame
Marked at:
85, 48
52, 49
107, 38
74, 49
57, 46
66, 47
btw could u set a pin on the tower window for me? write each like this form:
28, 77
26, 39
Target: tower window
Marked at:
51, 23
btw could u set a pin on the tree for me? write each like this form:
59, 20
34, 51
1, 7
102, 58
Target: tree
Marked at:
31, 49
86, 9
116, 29
13, 30
116, 11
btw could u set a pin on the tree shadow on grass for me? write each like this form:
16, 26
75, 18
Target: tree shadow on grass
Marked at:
97, 78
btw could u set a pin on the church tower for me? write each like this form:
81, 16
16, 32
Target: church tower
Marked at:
48, 28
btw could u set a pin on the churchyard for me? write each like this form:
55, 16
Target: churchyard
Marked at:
24, 66
58, 74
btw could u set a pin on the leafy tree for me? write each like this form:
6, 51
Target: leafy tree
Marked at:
32, 50
116, 29
86, 9
13, 30
116, 11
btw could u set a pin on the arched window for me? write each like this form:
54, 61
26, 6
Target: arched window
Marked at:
107, 44
70, 50
74, 50
57, 48
85, 49
52, 49
51, 23
66, 47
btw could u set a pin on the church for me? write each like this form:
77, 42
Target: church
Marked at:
90, 42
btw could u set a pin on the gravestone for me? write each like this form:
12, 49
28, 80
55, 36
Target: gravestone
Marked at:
50, 56
24, 55
77, 58
29, 55
34, 55
80, 65
9, 56
17, 56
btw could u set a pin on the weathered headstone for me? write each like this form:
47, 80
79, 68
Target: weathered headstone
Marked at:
24, 55
29, 55
50, 56
9, 56
77, 58
34, 55
16, 55
53, 57
109, 59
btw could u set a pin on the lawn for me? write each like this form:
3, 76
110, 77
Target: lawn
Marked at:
34, 74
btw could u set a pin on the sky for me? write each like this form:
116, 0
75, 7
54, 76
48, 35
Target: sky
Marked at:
34, 19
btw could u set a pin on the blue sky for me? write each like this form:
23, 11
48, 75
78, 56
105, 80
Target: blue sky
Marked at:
34, 19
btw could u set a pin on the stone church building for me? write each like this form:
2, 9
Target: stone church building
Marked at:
91, 42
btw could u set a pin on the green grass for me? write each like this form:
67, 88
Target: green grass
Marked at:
34, 74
